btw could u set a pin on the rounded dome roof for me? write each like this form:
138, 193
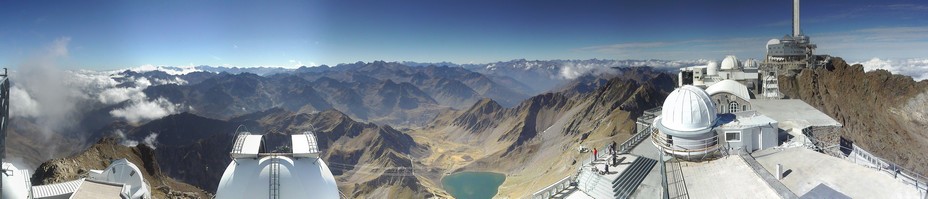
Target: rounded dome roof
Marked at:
729, 86
730, 62
14, 182
688, 109
750, 63
123, 171
712, 68
773, 41
297, 177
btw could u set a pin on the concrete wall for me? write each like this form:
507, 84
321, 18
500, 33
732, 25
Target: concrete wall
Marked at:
723, 100
752, 138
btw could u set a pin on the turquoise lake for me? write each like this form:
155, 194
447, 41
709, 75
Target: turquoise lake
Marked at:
473, 185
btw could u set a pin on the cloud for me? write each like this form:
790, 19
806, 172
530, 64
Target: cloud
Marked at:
573, 70
144, 110
45, 93
22, 104
151, 140
124, 140
915, 68
172, 70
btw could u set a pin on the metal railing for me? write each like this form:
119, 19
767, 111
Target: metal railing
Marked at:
859, 156
555, 188
636, 139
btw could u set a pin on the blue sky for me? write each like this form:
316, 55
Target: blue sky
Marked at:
118, 34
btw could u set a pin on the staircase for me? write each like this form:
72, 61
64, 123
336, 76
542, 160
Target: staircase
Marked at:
599, 186
629, 180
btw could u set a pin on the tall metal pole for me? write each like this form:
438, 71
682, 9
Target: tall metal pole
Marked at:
796, 30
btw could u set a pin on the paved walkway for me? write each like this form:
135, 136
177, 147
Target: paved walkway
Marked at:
767, 177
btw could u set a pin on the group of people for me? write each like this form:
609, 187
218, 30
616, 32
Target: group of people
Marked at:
611, 152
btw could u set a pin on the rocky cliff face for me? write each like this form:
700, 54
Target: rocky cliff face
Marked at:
886, 114
101, 154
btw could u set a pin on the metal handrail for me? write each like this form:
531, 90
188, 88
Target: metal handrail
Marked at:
552, 189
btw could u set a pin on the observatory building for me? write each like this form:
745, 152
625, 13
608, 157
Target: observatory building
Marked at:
787, 56
257, 173
121, 179
730, 69
690, 126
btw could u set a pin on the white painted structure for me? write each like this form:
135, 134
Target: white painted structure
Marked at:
713, 72
254, 174
15, 182
124, 172
121, 179
685, 124
690, 126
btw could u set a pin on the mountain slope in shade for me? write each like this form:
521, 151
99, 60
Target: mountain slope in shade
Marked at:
533, 141
886, 114
99, 155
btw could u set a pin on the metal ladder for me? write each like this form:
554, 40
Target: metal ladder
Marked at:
274, 191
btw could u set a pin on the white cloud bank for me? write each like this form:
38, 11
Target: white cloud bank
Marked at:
142, 110
915, 68
55, 99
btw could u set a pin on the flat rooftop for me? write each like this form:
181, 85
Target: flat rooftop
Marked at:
792, 111
97, 190
726, 177
806, 169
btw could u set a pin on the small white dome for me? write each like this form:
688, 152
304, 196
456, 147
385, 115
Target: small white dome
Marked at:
730, 63
773, 42
688, 109
296, 178
124, 172
712, 68
14, 182
730, 86
750, 63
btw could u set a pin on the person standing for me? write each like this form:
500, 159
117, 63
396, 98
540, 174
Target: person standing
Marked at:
594, 153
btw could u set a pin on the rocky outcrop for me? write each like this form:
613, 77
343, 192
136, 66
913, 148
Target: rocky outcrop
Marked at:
881, 112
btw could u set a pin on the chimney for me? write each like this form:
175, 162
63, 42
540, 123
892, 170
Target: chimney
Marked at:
796, 31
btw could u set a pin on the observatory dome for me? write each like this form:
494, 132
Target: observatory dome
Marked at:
730, 63
124, 172
688, 110
14, 182
712, 68
730, 86
295, 178
773, 42
750, 63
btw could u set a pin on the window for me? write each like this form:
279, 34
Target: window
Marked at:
733, 136
733, 107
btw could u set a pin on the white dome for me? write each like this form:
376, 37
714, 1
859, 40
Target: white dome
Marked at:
297, 178
729, 86
773, 42
750, 63
14, 182
124, 172
712, 68
730, 62
688, 109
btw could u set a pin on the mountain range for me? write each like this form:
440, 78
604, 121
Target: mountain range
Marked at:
390, 129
